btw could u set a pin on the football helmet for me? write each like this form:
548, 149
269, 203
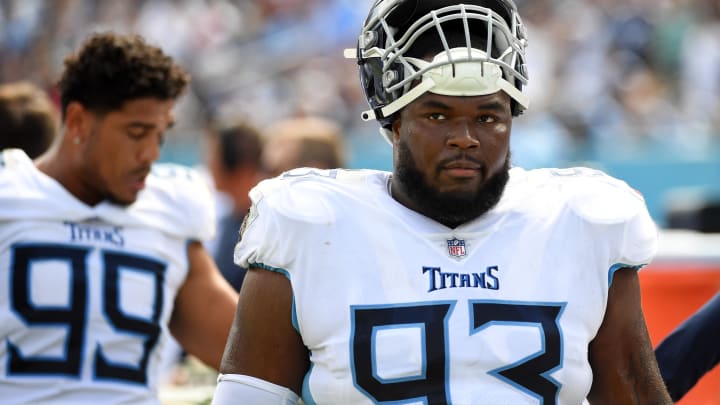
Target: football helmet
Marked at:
448, 47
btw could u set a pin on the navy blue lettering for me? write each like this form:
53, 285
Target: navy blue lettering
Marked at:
494, 283
453, 279
429, 388
432, 271
89, 233
437, 280
73, 316
464, 280
479, 280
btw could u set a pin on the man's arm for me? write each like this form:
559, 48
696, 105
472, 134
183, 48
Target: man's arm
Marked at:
263, 342
691, 350
204, 308
621, 355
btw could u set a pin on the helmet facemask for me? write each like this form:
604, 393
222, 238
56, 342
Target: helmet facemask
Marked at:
457, 50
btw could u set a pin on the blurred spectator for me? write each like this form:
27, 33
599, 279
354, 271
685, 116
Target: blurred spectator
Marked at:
700, 67
28, 119
303, 142
626, 77
233, 159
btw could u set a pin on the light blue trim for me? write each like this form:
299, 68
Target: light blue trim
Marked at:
373, 349
10, 346
158, 279
543, 349
285, 273
271, 268
617, 266
306, 394
446, 317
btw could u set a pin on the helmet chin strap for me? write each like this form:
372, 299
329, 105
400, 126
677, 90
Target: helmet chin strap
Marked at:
455, 72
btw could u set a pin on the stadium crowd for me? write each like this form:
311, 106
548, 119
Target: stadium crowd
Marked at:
622, 74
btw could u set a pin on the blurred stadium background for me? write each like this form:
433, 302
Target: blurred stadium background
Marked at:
631, 87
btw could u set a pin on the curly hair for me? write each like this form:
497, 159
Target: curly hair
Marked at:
111, 69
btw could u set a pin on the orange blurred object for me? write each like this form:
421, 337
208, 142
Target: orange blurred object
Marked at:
680, 280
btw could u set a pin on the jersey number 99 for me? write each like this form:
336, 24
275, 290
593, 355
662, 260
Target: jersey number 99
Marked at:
74, 316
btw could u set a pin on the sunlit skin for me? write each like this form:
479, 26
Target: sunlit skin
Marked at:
457, 143
108, 156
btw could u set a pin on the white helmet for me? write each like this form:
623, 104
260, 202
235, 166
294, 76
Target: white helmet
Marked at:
472, 48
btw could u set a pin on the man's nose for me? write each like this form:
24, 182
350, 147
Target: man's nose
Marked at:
150, 151
462, 135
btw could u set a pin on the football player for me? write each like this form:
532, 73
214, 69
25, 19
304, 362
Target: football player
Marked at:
455, 279
100, 250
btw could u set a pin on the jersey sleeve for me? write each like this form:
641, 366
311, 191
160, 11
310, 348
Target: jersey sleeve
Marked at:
23, 194
177, 200
640, 240
259, 243
195, 204
12, 190
287, 219
618, 216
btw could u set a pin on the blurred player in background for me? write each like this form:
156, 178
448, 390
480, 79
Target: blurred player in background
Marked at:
691, 350
28, 119
238, 159
234, 162
455, 279
303, 142
100, 252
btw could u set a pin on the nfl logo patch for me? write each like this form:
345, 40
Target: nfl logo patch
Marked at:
456, 247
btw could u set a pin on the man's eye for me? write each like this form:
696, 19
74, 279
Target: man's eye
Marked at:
136, 133
436, 116
486, 119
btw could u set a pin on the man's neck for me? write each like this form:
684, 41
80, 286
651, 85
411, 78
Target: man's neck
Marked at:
70, 178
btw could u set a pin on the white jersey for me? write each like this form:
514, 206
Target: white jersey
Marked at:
396, 307
86, 293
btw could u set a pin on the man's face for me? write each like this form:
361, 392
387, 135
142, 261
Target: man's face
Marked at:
122, 145
452, 155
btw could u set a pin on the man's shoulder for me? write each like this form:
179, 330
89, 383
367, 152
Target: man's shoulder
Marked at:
23, 188
178, 199
314, 195
176, 185
172, 175
11, 162
592, 194
319, 181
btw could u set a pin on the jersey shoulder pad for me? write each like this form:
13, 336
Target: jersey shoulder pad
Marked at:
20, 187
616, 217
597, 197
184, 198
308, 195
12, 160
294, 211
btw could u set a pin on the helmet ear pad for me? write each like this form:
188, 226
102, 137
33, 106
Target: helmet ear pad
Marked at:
371, 79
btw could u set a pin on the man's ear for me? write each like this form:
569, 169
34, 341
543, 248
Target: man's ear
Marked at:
396, 130
77, 120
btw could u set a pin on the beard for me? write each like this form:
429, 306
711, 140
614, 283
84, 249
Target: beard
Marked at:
92, 173
449, 208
